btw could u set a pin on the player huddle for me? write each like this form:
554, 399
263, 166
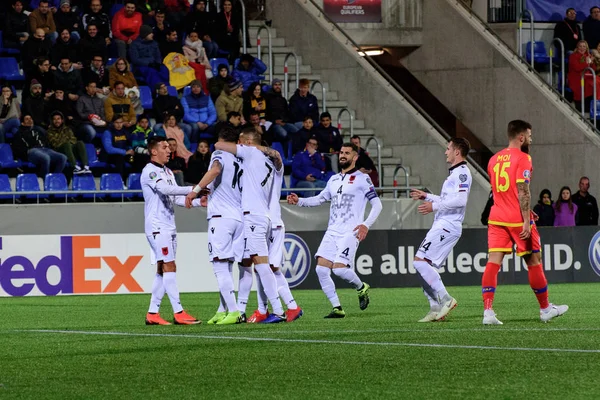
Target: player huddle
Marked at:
241, 191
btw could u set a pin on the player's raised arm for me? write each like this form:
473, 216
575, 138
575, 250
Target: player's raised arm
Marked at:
226, 146
313, 201
273, 155
214, 171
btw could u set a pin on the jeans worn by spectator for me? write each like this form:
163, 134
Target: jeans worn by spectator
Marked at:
310, 185
196, 132
87, 132
211, 48
283, 133
47, 160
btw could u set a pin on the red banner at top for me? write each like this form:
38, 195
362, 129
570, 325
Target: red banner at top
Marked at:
353, 10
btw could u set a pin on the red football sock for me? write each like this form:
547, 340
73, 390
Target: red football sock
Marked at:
539, 284
489, 283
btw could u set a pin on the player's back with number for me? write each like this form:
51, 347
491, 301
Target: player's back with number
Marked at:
506, 169
226, 195
257, 181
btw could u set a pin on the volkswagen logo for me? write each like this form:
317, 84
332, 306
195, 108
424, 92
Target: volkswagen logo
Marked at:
296, 259
594, 253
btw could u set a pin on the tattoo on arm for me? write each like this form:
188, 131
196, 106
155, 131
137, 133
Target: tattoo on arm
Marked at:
524, 198
274, 156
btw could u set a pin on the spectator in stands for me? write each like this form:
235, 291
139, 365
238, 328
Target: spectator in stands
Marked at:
62, 140
198, 163
165, 105
10, 113
234, 121
61, 103
98, 73
92, 44
16, 26
145, 57
139, 142
303, 103
568, 31
227, 29
97, 17
217, 84
230, 100
194, 52
53, 5
202, 22
579, 60
117, 145
126, 26
38, 45
149, 8
65, 47
254, 120
42, 18
586, 204
65, 18
171, 44
254, 100
329, 137
172, 130
176, 163
249, 70
118, 104
42, 74
591, 27
564, 209
300, 138
544, 209
160, 27
30, 144
308, 168
69, 78
35, 106
90, 109
199, 112
278, 113
364, 163
120, 72
176, 11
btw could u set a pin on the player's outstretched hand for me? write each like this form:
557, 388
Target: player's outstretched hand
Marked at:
362, 232
526, 232
417, 194
292, 198
425, 208
189, 198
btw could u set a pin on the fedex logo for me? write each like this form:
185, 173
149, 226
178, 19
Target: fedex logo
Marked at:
68, 272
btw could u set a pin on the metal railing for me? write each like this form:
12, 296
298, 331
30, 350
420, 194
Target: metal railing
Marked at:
258, 49
244, 38
562, 64
323, 92
583, 96
406, 180
286, 73
379, 169
339, 120
531, 33
503, 10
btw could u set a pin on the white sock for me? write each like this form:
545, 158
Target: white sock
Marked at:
261, 296
170, 284
270, 285
284, 290
158, 292
221, 269
327, 285
431, 277
222, 307
433, 303
244, 288
349, 276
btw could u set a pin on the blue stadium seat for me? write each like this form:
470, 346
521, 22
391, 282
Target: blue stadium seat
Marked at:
146, 97
93, 157
111, 61
597, 110
4, 50
133, 183
187, 90
539, 52
172, 91
5, 187
214, 64
266, 88
56, 183
112, 182
279, 147
115, 9
7, 160
9, 69
193, 147
29, 183
283, 186
84, 182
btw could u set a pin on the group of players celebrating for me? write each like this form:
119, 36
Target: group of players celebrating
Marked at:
245, 227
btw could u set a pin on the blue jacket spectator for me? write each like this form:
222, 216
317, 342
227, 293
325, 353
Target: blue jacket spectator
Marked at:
117, 145
145, 57
303, 104
199, 111
309, 168
249, 70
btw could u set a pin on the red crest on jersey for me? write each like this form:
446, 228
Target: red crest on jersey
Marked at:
165, 251
352, 178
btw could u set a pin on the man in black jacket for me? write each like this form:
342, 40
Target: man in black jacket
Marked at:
30, 144
587, 206
36, 46
591, 28
16, 26
99, 18
171, 44
92, 44
568, 31
165, 105
278, 112
364, 163
35, 106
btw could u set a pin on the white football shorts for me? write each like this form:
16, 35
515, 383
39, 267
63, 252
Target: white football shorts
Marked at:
338, 248
276, 246
257, 231
225, 239
163, 246
436, 246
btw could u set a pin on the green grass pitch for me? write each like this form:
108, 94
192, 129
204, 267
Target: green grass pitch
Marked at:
380, 353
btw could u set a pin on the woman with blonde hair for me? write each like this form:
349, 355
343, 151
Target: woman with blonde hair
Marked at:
579, 60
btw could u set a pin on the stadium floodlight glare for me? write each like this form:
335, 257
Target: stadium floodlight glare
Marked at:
371, 53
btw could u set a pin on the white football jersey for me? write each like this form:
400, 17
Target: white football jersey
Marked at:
275, 205
225, 199
161, 193
450, 206
349, 194
257, 181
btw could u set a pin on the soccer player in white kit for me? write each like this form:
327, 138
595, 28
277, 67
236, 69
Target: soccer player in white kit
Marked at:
449, 208
225, 223
259, 166
161, 193
348, 192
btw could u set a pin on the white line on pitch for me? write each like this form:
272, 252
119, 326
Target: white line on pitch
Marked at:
408, 330
314, 341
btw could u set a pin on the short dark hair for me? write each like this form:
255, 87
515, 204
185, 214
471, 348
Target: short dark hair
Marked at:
155, 140
116, 118
117, 83
25, 115
569, 9
233, 114
130, 2
254, 112
229, 134
355, 137
582, 178
313, 137
303, 82
172, 140
307, 118
325, 114
170, 30
517, 127
143, 116
461, 144
351, 145
593, 8
43, 1
161, 12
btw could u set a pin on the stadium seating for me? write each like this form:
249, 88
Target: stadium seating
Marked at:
93, 157
9, 69
146, 97
111, 61
7, 160
279, 147
133, 183
187, 90
56, 183
29, 183
4, 50
84, 182
214, 64
193, 147
540, 53
5, 187
112, 182
172, 91
115, 9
